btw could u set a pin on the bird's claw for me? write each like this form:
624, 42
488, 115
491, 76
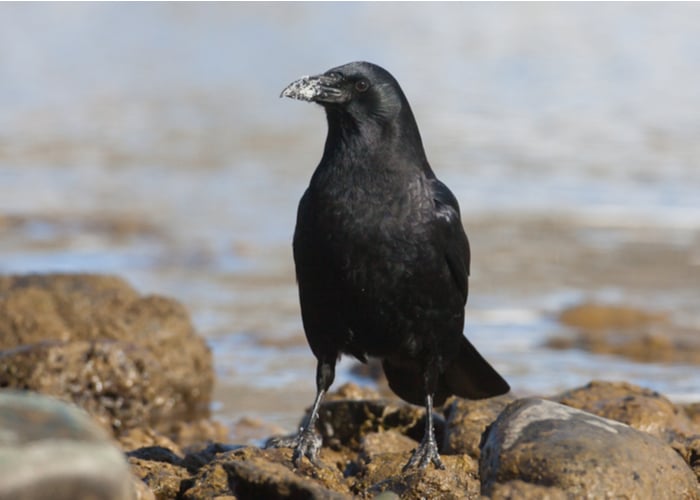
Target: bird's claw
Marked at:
426, 452
305, 444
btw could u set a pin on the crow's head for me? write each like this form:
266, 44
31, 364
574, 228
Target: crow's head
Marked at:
360, 89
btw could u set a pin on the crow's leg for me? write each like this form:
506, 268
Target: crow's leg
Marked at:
427, 450
307, 442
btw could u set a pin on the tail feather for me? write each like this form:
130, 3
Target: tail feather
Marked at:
469, 375
408, 382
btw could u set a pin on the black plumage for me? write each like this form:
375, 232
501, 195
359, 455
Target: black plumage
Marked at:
382, 259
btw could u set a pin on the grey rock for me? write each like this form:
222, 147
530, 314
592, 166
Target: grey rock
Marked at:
548, 444
50, 449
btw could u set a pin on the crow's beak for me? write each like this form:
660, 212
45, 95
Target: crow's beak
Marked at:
320, 88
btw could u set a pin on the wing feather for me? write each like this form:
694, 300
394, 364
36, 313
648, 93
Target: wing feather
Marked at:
457, 253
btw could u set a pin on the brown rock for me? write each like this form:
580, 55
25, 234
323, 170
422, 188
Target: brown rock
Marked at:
128, 360
353, 392
344, 422
520, 490
198, 433
248, 430
380, 443
693, 457
693, 411
255, 473
636, 406
141, 490
458, 480
600, 316
113, 381
143, 437
163, 478
552, 445
467, 421
211, 481
628, 332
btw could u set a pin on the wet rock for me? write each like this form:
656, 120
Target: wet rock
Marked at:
254, 430
467, 421
693, 412
142, 491
345, 422
628, 332
670, 345
536, 449
520, 490
198, 433
353, 392
384, 475
212, 481
693, 455
112, 381
254, 473
199, 457
128, 360
375, 444
552, 445
163, 478
689, 450
591, 316
50, 449
143, 437
641, 408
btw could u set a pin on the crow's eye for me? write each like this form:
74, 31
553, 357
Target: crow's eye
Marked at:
361, 85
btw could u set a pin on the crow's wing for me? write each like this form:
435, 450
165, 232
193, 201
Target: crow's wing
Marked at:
454, 238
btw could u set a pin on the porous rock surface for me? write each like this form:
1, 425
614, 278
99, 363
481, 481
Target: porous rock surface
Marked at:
129, 360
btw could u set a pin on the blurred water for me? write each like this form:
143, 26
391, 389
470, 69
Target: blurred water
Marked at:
148, 140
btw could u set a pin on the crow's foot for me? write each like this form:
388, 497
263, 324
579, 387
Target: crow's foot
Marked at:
426, 452
305, 444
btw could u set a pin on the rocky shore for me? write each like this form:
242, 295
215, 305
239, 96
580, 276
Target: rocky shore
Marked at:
105, 393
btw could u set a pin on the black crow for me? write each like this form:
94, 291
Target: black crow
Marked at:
382, 260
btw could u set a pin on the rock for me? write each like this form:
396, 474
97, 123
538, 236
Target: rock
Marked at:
254, 473
142, 437
344, 422
547, 444
254, 430
693, 412
520, 490
693, 458
641, 408
375, 444
591, 316
142, 491
197, 433
353, 392
467, 421
689, 450
628, 332
128, 360
384, 475
50, 449
163, 478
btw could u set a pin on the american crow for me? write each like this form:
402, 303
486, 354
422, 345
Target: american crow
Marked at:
382, 260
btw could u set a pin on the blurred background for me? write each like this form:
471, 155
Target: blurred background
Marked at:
149, 141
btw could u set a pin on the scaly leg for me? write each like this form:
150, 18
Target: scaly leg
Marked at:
427, 450
307, 443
